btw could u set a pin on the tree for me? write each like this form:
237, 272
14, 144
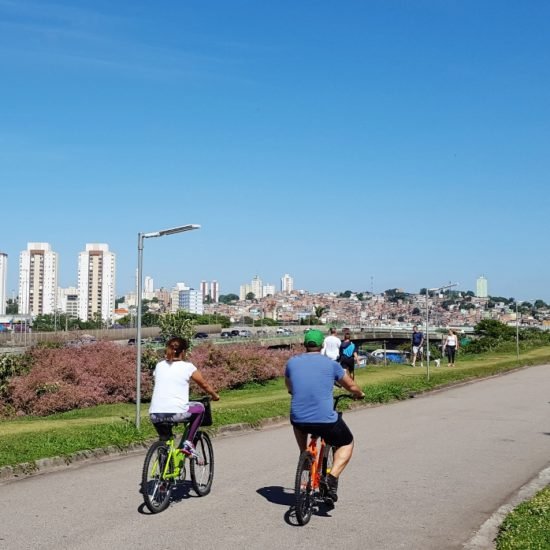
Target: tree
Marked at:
415, 311
228, 298
251, 296
320, 311
346, 294
12, 307
176, 324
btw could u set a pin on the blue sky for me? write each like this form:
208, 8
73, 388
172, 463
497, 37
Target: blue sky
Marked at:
403, 143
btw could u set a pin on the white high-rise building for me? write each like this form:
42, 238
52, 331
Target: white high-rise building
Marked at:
268, 290
3, 279
287, 284
191, 300
148, 287
255, 286
481, 287
38, 280
175, 296
67, 301
96, 282
215, 291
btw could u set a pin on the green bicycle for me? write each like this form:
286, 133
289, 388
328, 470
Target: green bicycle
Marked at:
165, 466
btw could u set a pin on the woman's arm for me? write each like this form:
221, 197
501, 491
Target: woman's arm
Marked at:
199, 379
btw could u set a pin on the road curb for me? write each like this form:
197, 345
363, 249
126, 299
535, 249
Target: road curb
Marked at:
485, 537
47, 465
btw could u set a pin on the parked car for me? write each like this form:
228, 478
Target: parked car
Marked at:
235, 332
132, 341
200, 335
226, 334
392, 355
280, 330
245, 333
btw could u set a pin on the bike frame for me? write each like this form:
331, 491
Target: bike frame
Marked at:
317, 452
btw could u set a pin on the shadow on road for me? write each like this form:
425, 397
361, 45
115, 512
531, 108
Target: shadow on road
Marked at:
180, 492
277, 495
285, 497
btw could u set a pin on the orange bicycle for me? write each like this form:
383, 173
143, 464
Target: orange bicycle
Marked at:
314, 464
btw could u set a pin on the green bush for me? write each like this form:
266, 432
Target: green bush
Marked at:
527, 527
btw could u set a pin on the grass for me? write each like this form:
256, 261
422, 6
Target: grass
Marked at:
28, 439
527, 527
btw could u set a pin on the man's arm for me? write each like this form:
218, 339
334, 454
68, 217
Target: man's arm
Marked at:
288, 385
349, 384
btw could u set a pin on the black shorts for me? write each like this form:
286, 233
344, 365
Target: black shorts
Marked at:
336, 433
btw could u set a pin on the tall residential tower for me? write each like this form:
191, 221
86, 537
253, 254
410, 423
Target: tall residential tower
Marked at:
96, 283
287, 284
38, 280
481, 287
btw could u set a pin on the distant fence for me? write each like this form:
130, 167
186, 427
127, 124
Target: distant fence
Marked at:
26, 339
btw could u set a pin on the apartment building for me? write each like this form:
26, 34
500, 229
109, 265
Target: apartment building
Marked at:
96, 282
191, 300
67, 301
38, 280
287, 284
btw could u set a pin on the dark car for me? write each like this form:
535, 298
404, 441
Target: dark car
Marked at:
226, 334
235, 333
200, 335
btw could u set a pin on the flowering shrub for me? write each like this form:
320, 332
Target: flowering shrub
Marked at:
228, 367
12, 364
45, 381
69, 378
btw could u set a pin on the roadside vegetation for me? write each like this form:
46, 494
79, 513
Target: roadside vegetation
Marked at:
28, 437
527, 527
56, 401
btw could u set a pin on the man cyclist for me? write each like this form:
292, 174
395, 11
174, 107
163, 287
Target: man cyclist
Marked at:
310, 379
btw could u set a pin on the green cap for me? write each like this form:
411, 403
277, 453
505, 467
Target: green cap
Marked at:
314, 338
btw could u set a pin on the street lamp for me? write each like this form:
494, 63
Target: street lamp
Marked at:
141, 237
428, 290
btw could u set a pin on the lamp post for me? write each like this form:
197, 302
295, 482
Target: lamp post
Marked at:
141, 238
428, 290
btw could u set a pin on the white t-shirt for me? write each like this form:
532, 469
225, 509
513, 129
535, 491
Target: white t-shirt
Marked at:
331, 347
171, 391
451, 340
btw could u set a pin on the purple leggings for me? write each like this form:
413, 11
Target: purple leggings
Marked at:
194, 416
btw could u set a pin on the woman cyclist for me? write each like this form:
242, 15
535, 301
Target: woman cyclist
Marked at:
170, 401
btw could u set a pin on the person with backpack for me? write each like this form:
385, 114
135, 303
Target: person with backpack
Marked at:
348, 356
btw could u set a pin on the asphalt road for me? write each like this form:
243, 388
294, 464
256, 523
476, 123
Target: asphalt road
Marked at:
426, 474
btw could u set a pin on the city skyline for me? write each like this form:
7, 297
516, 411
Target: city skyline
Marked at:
371, 145
257, 286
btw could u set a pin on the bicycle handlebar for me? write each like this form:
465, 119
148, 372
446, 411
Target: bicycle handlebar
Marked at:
338, 398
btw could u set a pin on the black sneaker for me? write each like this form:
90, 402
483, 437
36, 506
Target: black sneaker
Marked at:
331, 495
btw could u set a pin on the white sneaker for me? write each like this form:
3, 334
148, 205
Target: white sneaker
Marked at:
189, 449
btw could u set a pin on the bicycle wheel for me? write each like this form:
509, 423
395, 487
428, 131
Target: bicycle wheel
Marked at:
202, 466
328, 459
155, 489
303, 491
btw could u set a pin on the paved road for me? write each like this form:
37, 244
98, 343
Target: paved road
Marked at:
426, 474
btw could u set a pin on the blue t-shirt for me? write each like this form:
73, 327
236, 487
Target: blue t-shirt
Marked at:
417, 337
312, 378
